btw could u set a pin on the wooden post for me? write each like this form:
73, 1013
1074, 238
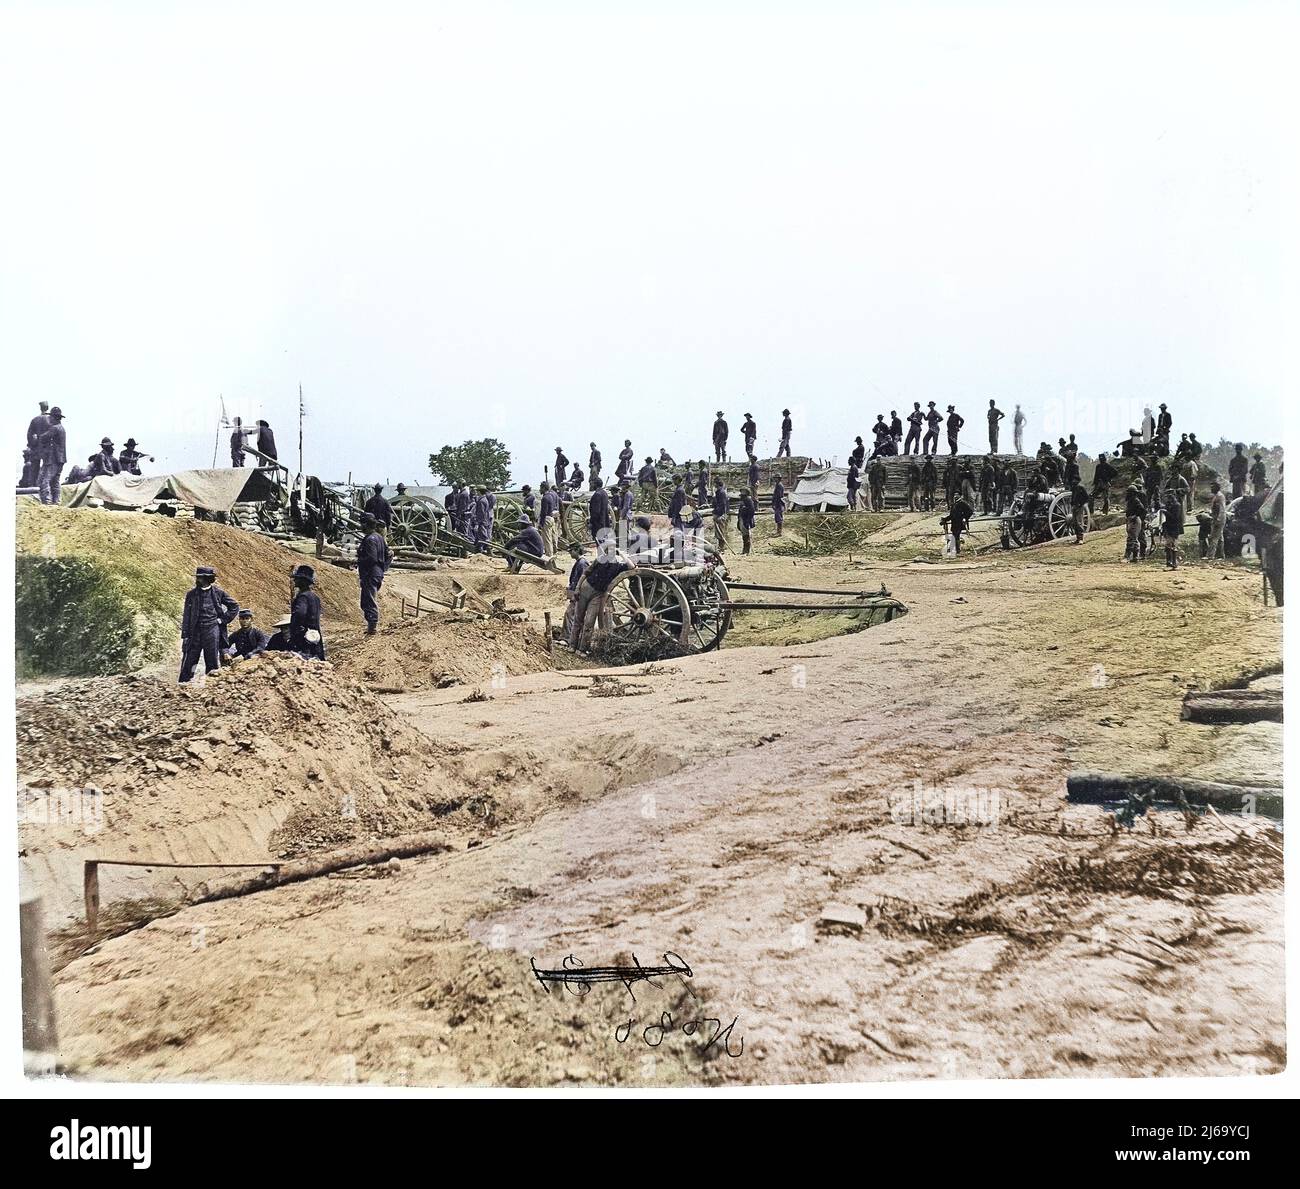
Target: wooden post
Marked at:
547, 616
40, 1040
90, 884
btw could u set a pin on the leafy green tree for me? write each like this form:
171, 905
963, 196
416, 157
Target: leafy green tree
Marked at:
485, 462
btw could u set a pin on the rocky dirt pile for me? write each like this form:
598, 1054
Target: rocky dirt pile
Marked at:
330, 761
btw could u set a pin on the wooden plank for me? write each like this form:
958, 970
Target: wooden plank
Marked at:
1095, 788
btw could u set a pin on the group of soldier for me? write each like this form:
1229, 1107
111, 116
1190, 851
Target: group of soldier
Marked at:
46, 454
209, 614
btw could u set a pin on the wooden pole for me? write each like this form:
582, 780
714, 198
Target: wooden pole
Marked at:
40, 1040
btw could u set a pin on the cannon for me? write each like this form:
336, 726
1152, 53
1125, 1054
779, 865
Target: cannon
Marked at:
667, 609
1052, 519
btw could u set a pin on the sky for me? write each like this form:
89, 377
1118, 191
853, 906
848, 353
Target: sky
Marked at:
557, 222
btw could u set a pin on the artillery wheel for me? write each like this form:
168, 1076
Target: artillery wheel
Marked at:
574, 521
710, 619
647, 607
504, 516
415, 523
1060, 517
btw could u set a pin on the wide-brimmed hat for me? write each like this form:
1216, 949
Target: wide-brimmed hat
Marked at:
56, 412
283, 622
105, 441
306, 572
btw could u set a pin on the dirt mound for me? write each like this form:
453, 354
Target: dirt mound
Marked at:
275, 757
435, 653
151, 560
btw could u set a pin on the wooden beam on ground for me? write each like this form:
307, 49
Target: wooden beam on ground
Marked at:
1096, 788
1233, 706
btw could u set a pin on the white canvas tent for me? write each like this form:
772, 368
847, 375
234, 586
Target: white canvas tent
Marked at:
822, 489
216, 489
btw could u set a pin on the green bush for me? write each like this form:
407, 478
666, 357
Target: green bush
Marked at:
73, 618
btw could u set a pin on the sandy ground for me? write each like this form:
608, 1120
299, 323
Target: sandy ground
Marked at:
747, 811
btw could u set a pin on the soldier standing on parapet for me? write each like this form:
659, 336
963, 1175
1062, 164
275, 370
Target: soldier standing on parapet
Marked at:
721, 514
373, 560
32, 461
858, 454
237, 442
750, 432
995, 415
561, 467
933, 419
207, 612
266, 444
787, 428
720, 432
1103, 476
1018, 430
593, 466
915, 419
955, 422
54, 455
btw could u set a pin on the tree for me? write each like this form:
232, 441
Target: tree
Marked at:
485, 462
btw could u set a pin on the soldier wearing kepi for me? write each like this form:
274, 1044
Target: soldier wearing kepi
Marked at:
304, 616
1238, 469
955, 422
750, 431
373, 560
746, 518
249, 640
721, 514
561, 467
598, 514
593, 466
915, 419
207, 612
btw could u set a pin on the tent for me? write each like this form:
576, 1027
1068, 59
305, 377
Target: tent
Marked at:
823, 488
215, 489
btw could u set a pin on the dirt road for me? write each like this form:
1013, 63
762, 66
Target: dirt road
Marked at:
750, 811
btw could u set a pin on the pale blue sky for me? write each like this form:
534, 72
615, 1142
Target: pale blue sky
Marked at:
548, 222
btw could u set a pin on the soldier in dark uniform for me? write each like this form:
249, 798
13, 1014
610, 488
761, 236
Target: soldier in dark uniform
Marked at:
304, 616
858, 454
130, 457
625, 456
746, 518
915, 419
647, 477
577, 478
105, 463
1103, 476
1135, 515
32, 460
949, 481
1079, 500
677, 503
957, 521
1008, 482
895, 429
598, 514
852, 483
720, 434
1153, 479
955, 422
561, 466
373, 560
1048, 468
995, 416
702, 485
929, 481
54, 456
721, 514
207, 612
1036, 487
266, 442
753, 473
787, 428
1172, 528
750, 432
526, 540
913, 486
279, 641
379, 508
593, 466
529, 501
1238, 469
249, 640
988, 483
778, 504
